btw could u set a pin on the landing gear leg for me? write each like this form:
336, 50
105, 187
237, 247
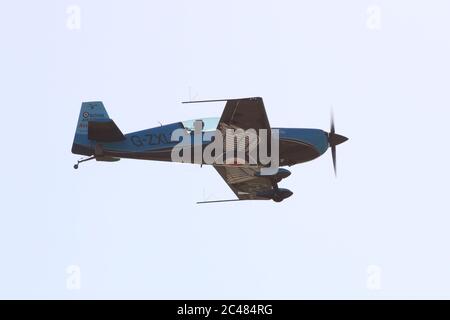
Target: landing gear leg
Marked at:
75, 166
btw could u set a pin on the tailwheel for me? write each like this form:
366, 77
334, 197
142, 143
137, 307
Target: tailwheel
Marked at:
75, 166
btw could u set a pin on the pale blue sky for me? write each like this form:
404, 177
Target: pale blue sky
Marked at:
133, 227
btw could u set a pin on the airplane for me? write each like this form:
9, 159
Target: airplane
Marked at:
99, 138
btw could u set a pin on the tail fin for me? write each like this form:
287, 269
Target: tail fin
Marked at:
93, 125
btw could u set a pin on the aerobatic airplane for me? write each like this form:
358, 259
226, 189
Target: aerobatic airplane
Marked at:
98, 137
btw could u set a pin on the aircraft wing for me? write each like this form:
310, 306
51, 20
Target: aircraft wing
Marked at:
242, 113
244, 181
246, 113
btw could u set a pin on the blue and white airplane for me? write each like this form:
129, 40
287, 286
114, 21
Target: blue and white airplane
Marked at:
98, 137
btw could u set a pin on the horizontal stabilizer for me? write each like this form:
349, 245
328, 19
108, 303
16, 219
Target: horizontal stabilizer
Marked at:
107, 159
104, 131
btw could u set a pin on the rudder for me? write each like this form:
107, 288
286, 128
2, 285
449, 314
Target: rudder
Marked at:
90, 111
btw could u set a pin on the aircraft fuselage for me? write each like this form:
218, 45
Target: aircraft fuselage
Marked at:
296, 145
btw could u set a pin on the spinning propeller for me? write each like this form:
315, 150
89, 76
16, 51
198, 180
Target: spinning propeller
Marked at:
333, 140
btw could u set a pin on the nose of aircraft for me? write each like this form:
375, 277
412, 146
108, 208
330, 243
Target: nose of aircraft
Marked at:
334, 139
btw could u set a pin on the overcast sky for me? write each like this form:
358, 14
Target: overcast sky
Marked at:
131, 229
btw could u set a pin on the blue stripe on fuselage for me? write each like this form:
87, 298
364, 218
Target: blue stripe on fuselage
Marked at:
160, 138
146, 140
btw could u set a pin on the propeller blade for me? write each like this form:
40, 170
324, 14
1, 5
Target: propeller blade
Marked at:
332, 131
333, 154
333, 140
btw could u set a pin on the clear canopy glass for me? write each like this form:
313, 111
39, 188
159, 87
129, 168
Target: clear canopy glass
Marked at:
209, 124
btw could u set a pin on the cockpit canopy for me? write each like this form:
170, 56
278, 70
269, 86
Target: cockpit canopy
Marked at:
209, 124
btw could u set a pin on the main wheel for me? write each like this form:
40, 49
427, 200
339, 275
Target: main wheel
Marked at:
75, 166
